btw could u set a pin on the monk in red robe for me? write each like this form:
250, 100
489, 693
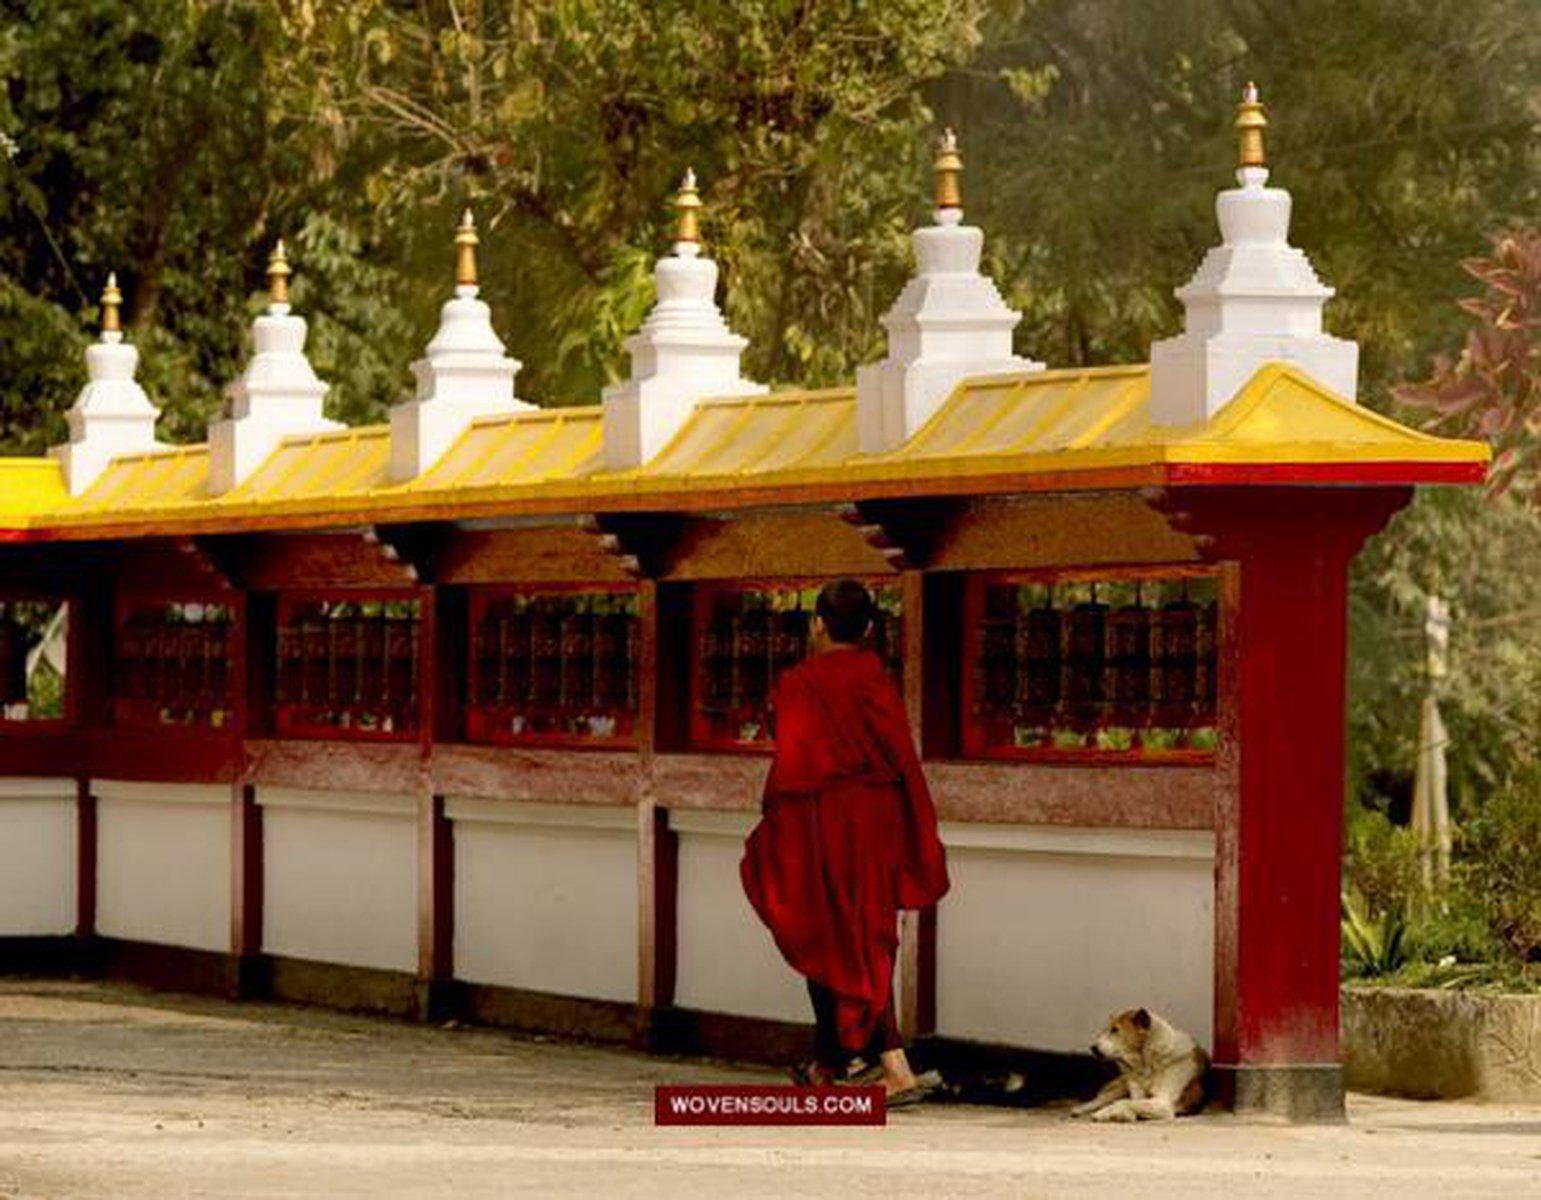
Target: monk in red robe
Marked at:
847, 838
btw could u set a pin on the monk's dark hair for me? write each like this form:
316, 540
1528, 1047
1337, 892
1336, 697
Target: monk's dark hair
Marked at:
846, 608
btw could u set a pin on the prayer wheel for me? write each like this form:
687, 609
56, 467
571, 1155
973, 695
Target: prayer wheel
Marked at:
577, 689
1126, 676
545, 657
751, 657
717, 664
1174, 653
1085, 659
401, 669
613, 661
1039, 664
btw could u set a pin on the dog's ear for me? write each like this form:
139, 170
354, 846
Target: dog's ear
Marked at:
1142, 1018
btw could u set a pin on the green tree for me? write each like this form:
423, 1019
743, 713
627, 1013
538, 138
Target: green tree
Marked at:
1100, 132
567, 124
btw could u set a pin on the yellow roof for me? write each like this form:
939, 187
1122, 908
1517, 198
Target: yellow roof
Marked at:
345, 462
175, 475
29, 486
763, 434
1072, 428
557, 443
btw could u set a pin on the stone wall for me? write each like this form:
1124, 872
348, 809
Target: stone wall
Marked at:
1434, 1044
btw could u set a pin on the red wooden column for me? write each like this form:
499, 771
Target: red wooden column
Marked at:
440, 659
917, 930
657, 844
253, 637
85, 860
87, 663
1279, 804
246, 867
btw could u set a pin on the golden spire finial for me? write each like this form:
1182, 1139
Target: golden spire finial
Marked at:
1250, 123
687, 203
465, 251
112, 299
278, 274
949, 171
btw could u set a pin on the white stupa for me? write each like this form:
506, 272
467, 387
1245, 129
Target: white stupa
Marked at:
112, 416
1254, 299
683, 353
278, 395
949, 322
465, 373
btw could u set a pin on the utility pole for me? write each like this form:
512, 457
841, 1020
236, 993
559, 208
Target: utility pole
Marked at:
1431, 801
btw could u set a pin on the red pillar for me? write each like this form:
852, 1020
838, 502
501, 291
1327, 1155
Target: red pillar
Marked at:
1279, 803
441, 659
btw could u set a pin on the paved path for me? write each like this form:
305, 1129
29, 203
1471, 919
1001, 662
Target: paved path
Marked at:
107, 1091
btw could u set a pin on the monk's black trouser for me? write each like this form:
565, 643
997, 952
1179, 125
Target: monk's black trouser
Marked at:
826, 1035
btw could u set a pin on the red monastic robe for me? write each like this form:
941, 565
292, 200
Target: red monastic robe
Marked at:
848, 833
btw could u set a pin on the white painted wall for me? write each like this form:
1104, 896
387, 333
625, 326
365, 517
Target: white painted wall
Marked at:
37, 856
546, 897
727, 960
163, 863
340, 877
1049, 930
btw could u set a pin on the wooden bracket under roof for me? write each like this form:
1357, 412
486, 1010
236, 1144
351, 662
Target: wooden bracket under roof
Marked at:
211, 557
642, 542
415, 547
905, 532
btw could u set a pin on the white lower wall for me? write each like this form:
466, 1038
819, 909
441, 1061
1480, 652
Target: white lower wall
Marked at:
727, 960
37, 856
546, 897
339, 877
163, 863
1049, 930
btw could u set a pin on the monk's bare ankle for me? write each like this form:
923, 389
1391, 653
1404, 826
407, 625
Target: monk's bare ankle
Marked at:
897, 1074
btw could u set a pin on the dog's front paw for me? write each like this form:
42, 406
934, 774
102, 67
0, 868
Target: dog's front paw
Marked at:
1083, 1110
1114, 1112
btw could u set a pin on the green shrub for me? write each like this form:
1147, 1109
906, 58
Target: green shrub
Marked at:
1381, 866
1373, 943
1500, 863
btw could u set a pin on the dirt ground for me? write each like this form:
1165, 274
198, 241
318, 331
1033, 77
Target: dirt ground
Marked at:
108, 1091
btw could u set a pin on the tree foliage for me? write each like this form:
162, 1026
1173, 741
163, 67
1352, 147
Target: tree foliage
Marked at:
1493, 389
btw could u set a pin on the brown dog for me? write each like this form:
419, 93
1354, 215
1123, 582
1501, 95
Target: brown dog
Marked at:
1160, 1071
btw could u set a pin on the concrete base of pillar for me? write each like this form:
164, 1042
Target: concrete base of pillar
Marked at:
438, 1000
1304, 1092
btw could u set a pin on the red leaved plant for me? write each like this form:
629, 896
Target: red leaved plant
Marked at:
1493, 390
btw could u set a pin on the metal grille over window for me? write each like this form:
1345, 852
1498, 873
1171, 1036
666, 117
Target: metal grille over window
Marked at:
171, 663
348, 666
746, 636
555, 667
1073, 666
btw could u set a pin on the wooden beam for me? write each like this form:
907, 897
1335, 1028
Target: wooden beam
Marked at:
556, 552
85, 860
657, 843
657, 918
246, 891
795, 543
435, 909
352, 558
